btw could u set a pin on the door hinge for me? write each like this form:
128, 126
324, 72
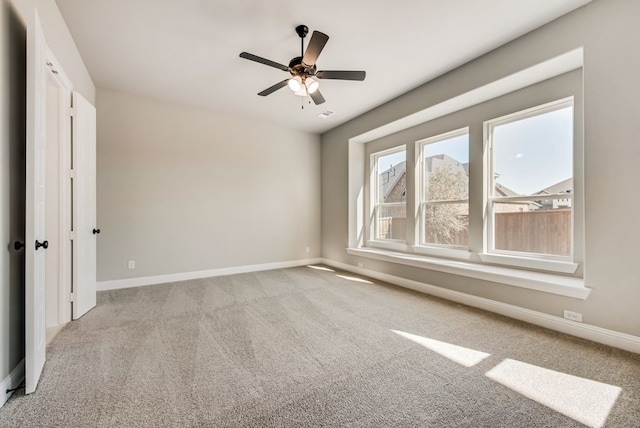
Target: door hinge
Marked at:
72, 297
72, 111
72, 173
72, 235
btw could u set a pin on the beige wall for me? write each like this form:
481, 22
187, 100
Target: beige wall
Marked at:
607, 30
183, 190
16, 17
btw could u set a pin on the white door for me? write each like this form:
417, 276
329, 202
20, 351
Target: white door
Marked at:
35, 237
84, 206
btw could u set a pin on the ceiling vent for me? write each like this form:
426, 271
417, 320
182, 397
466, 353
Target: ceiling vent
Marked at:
325, 114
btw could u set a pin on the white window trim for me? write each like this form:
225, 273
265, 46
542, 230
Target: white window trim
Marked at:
536, 73
530, 262
450, 252
398, 245
562, 264
422, 246
538, 281
388, 244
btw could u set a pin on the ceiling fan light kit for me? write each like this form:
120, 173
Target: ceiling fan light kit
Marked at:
304, 81
294, 84
311, 84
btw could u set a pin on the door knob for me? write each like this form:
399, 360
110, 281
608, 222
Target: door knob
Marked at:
43, 244
96, 231
18, 245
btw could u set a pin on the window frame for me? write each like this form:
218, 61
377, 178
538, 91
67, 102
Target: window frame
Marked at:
374, 205
564, 278
522, 258
421, 191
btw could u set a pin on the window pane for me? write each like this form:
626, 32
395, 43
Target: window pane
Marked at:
526, 228
446, 169
534, 155
392, 222
392, 177
446, 224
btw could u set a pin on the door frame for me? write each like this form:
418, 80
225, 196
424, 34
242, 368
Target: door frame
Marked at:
65, 201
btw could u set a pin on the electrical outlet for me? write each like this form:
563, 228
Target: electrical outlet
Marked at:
573, 316
308, 249
132, 264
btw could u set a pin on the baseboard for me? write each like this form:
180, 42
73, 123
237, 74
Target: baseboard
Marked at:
53, 331
12, 381
174, 277
596, 334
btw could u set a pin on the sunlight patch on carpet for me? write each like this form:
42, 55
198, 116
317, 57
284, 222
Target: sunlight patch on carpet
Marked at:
583, 400
354, 278
459, 354
326, 269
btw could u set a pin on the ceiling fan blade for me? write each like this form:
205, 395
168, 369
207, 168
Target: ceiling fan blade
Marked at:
252, 57
341, 75
317, 97
316, 44
274, 88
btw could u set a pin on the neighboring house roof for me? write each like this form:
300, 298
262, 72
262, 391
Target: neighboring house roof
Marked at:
391, 177
565, 186
505, 191
433, 162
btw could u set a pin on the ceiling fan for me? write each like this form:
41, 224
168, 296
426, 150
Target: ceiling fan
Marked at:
303, 68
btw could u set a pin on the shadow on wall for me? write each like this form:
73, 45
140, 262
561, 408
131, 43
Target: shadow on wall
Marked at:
14, 91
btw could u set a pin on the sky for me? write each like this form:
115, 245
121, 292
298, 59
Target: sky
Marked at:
384, 162
529, 154
534, 153
456, 148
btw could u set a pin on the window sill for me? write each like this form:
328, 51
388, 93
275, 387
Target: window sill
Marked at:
545, 282
403, 247
389, 245
451, 253
527, 263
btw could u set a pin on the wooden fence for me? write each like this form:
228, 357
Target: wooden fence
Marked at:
541, 232
392, 228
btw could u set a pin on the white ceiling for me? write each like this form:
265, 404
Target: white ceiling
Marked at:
186, 51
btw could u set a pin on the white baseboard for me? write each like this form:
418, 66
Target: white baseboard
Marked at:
174, 277
53, 331
586, 331
12, 381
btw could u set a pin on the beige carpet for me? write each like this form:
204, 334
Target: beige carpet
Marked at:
305, 347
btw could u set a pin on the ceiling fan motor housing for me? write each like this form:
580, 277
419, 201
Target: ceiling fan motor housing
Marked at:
297, 68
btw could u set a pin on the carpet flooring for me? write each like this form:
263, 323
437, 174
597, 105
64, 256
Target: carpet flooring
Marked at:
304, 347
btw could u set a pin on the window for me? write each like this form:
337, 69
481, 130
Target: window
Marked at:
530, 176
499, 198
389, 195
444, 190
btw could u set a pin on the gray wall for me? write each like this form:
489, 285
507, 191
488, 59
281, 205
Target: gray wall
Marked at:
183, 190
607, 30
16, 16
